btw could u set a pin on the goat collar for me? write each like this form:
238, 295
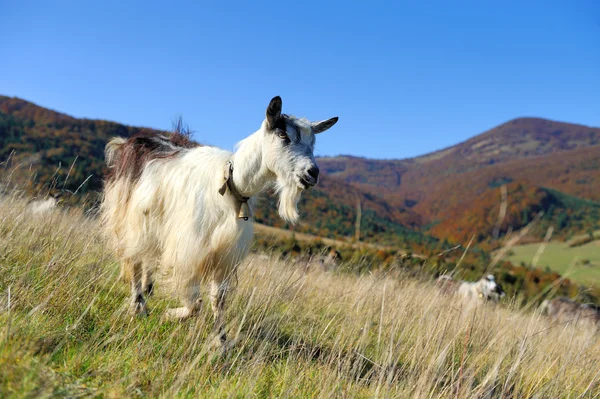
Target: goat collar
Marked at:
243, 209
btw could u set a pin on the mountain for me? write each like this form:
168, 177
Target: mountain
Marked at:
419, 206
40, 147
418, 203
445, 187
43, 150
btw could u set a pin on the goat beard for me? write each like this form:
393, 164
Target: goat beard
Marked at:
289, 195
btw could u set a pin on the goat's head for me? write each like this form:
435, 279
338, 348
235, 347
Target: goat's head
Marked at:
288, 152
491, 289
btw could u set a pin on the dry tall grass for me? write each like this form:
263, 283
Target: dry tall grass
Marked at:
298, 333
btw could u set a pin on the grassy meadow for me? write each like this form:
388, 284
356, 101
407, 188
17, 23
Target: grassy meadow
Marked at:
579, 263
296, 332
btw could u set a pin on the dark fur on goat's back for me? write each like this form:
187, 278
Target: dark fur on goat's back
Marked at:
145, 146
181, 136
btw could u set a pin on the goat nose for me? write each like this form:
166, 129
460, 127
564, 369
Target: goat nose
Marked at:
314, 172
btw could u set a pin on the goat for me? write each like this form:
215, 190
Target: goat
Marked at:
564, 310
327, 261
42, 206
486, 289
172, 203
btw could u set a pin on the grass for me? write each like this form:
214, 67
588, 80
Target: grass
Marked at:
581, 263
297, 333
269, 231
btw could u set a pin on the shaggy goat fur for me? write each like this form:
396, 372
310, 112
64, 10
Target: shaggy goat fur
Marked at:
172, 203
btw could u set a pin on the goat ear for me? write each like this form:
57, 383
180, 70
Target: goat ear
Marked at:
320, 127
273, 111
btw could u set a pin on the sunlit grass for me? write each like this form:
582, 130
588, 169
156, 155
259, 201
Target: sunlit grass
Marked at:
296, 332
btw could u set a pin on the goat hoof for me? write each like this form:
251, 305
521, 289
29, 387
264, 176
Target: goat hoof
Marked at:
139, 309
222, 344
178, 313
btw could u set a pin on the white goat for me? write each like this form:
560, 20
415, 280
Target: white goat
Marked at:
483, 290
565, 310
42, 206
171, 202
486, 288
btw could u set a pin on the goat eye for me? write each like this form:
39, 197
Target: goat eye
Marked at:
282, 135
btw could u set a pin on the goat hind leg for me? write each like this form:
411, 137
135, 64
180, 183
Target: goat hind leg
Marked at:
147, 279
191, 300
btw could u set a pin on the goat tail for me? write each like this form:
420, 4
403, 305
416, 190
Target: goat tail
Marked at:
112, 149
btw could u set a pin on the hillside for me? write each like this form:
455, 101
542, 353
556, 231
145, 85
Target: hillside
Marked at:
295, 332
580, 264
480, 215
329, 210
521, 138
536, 153
40, 147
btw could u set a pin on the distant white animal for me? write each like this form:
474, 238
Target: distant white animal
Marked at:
326, 261
171, 202
564, 310
486, 289
42, 206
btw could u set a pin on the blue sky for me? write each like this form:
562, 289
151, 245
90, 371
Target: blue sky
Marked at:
404, 78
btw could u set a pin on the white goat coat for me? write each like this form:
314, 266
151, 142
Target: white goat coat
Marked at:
176, 213
470, 291
39, 207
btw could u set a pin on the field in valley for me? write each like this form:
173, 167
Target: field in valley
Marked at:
580, 263
296, 332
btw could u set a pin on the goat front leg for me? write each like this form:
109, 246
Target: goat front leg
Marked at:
138, 304
218, 294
